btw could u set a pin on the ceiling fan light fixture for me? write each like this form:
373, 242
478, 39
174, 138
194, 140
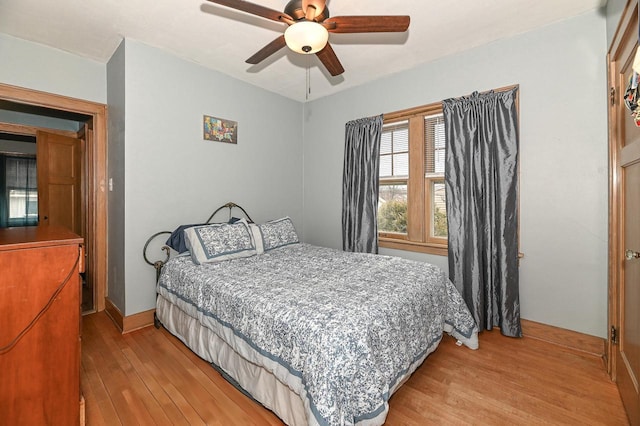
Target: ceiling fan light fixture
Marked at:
306, 37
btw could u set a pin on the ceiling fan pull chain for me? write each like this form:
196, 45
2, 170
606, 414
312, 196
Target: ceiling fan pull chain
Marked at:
308, 94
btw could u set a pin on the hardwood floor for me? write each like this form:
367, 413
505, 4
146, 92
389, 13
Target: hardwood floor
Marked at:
150, 377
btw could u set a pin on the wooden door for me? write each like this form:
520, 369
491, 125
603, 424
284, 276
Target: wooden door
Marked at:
59, 164
628, 348
624, 210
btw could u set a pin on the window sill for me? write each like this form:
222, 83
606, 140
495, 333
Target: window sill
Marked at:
397, 244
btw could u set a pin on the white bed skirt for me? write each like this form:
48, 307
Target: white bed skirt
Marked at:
277, 391
260, 383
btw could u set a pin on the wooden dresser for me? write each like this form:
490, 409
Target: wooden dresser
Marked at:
39, 330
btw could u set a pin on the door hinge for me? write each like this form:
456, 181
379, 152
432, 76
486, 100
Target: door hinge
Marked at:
612, 94
614, 335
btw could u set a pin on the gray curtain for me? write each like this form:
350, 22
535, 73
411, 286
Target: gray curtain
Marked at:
360, 183
481, 178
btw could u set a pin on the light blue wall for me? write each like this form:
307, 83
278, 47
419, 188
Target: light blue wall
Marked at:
39, 67
613, 12
173, 176
561, 70
26, 119
116, 96
156, 102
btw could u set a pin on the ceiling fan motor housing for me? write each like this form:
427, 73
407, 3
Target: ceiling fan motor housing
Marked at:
294, 9
307, 29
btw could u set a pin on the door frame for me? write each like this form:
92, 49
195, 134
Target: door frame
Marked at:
96, 174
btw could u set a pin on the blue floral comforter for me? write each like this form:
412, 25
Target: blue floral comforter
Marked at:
349, 326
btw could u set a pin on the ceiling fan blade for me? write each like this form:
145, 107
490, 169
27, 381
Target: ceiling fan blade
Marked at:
369, 24
319, 6
254, 9
330, 61
267, 51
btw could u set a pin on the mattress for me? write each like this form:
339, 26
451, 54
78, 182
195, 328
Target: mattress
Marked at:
339, 332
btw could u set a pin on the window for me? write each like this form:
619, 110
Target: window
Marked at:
394, 175
18, 191
23, 204
412, 212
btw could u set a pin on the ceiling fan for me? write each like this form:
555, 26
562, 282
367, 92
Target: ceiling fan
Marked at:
309, 28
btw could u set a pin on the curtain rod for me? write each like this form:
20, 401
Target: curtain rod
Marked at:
498, 90
435, 107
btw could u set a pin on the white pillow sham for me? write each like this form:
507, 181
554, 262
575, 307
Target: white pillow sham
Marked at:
220, 241
278, 233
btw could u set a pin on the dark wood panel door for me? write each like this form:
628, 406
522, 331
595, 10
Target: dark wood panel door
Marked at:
59, 181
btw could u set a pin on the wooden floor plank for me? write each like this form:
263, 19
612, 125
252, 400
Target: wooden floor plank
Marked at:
97, 400
150, 377
91, 406
121, 380
148, 370
543, 395
236, 402
181, 373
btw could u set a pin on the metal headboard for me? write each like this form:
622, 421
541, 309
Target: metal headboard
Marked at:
158, 264
230, 206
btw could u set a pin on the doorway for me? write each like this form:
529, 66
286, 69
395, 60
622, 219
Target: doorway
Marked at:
41, 174
92, 117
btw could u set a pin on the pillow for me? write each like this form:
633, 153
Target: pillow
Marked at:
220, 241
176, 240
278, 233
257, 237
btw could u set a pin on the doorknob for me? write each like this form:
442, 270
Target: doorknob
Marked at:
630, 254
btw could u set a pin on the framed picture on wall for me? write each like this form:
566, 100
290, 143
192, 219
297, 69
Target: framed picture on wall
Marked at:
219, 129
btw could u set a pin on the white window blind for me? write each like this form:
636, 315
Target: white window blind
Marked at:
434, 145
394, 150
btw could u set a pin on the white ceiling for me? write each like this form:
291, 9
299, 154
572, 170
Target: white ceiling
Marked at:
221, 39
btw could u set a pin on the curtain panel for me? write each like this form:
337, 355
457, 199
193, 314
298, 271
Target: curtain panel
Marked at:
360, 184
481, 178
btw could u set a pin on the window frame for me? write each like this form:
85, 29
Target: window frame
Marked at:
434, 247
419, 186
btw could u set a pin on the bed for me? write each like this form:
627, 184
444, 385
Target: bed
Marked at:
317, 335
